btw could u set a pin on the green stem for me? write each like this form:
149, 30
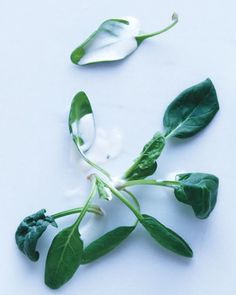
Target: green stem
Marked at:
92, 209
167, 183
123, 200
141, 38
135, 201
103, 171
86, 206
133, 197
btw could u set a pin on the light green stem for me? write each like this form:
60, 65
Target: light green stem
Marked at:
119, 195
92, 209
141, 38
86, 206
167, 183
103, 171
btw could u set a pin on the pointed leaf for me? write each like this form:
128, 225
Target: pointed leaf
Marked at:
106, 243
30, 230
191, 111
64, 257
199, 190
165, 236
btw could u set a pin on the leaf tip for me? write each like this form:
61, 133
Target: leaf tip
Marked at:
77, 54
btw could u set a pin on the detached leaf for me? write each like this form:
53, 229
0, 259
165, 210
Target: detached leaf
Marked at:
106, 243
103, 191
64, 257
199, 190
191, 111
145, 164
166, 237
114, 40
81, 121
30, 230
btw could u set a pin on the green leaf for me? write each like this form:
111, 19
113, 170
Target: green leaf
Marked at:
145, 164
165, 236
191, 111
103, 191
30, 230
81, 121
115, 39
106, 243
199, 190
64, 257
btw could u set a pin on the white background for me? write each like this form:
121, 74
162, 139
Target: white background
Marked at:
39, 165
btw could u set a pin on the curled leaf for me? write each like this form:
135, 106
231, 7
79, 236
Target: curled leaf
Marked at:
30, 230
166, 237
191, 111
115, 39
145, 164
199, 190
103, 191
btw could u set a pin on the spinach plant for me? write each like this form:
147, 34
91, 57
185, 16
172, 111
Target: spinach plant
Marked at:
187, 115
115, 39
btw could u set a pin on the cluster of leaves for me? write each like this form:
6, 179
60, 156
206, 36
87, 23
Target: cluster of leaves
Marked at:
189, 113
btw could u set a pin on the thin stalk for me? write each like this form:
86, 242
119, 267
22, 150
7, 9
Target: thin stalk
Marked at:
135, 201
141, 38
167, 183
123, 200
133, 197
92, 209
86, 206
103, 171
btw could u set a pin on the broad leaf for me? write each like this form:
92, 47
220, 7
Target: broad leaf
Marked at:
64, 257
191, 111
106, 243
103, 191
166, 237
114, 40
30, 230
145, 164
199, 190
81, 122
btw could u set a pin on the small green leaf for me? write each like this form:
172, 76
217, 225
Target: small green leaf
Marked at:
145, 164
103, 191
114, 40
165, 236
191, 111
30, 230
81, 121
106, 243
64, 257
199, 190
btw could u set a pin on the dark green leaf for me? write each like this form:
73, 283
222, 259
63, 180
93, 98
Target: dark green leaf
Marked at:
198, 190
64, 257
115, 39
30, 230
106, 243
81, 121
103, 191
165, 236
191, 111
145, 164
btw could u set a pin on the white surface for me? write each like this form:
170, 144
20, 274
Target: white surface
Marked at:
40, 167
